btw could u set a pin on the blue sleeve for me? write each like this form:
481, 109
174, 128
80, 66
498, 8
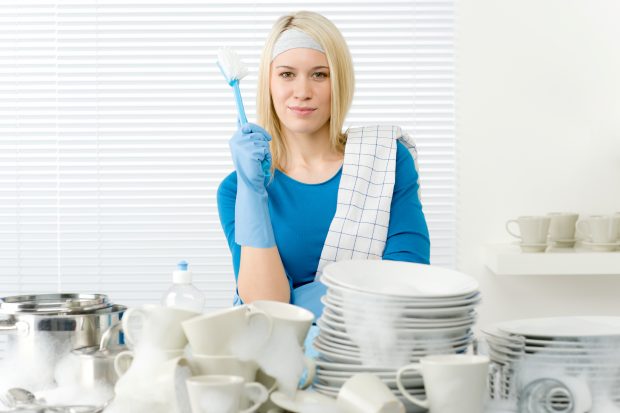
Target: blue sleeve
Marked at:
226, 198
408, 238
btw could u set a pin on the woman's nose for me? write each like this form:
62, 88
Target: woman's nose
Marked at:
302, 88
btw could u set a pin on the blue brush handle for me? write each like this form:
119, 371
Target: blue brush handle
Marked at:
266, 165
242, 118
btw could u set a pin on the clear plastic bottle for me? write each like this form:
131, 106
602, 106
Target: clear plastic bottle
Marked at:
183, 294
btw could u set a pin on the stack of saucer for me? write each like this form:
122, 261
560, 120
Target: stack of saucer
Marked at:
381, 315
577, 356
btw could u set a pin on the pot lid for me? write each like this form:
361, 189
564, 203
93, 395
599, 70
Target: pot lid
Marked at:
63, 303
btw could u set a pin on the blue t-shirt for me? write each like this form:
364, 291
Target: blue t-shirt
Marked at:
302, 213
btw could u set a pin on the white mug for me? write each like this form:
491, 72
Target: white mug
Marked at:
562, 226
213, 333
532, 229
226, 365
287, 316
159, 326
157, 383
601, 229
366, 393
454, 383
124, 359
223, 394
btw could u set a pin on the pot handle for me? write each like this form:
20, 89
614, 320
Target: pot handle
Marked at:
13, 327
108, 334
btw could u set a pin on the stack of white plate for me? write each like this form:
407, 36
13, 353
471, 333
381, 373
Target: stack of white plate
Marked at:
583, 349
381, 315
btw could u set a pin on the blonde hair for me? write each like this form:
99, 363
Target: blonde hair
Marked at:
325, 33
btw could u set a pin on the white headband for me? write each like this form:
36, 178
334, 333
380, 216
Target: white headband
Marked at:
292, 39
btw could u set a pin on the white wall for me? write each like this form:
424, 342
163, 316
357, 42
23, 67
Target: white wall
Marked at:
538, 129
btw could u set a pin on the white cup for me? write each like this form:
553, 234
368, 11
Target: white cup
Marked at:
159, 326
599, 229
532, 229
562, 227
123, 360
454, 383
287, 316
158, 383
213, 333
224, 365
366, 393
223, 394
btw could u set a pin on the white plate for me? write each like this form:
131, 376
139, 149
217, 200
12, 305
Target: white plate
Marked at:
601, 246
592, 343
406, 335
410, 407
303, 401
342, 322
339, 357
444, 312
339, 316
421, 343
353, 368
563, 327
399, 279
323, 346
415, 383
340, 293
409, 375
334, 390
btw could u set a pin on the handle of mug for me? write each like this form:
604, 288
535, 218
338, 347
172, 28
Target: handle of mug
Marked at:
255, 312
583, 229
310, 373
257, 393
508, 228
118, 367
410, 367
129, 313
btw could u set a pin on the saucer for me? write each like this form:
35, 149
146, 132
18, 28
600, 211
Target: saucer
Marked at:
602, 246
564, 243
303, 400
533, 247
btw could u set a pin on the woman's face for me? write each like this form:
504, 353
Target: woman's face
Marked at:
301, 90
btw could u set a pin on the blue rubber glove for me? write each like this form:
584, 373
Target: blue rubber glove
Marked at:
249, 147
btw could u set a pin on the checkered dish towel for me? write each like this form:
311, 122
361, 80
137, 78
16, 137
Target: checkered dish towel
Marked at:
360, 225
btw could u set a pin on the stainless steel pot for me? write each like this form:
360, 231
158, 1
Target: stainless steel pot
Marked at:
51, 325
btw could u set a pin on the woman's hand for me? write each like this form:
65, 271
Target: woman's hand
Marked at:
249, 147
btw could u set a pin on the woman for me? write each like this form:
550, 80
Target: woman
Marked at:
305, 194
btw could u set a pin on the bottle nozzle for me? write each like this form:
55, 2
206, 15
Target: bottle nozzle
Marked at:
182, 265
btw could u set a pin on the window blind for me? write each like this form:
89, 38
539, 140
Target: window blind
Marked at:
114, 128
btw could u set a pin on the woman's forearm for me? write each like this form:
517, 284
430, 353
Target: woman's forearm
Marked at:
262, 276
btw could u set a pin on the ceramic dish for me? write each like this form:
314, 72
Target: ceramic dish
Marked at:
555, 327
399, 279
303, 401
413, 312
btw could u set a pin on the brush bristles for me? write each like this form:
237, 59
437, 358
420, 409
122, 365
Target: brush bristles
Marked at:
231, 64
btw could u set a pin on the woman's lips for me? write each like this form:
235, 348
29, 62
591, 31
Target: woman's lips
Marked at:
301, 111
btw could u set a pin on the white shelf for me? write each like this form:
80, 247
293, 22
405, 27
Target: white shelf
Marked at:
507, 259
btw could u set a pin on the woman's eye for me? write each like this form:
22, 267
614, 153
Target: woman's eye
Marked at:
320, 75
286, 74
